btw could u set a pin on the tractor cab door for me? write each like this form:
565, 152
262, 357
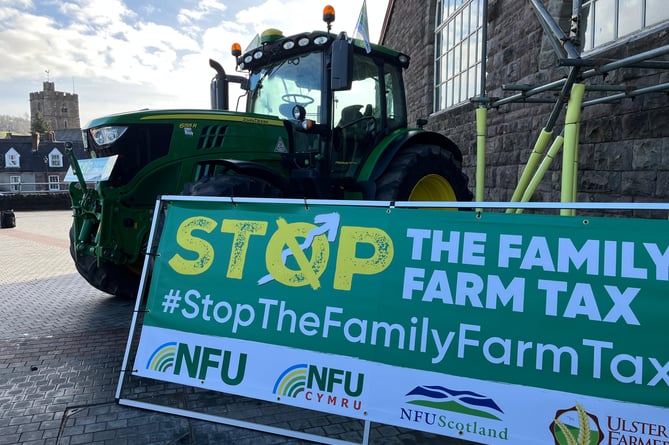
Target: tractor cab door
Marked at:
366, 113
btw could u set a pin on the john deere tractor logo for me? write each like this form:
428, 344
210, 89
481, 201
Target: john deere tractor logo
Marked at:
576, 426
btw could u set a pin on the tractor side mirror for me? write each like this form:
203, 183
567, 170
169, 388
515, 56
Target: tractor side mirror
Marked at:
341, 76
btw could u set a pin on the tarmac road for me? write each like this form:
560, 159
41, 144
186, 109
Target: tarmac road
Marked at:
61, 350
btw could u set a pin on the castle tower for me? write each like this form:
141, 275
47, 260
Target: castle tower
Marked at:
60, 110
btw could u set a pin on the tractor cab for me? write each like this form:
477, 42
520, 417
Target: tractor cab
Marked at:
338, 100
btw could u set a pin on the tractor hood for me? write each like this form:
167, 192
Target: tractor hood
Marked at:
180, 114
150, 140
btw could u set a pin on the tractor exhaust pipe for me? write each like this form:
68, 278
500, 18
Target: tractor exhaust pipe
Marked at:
220, 86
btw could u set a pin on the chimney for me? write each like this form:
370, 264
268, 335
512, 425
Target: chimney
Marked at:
35, 139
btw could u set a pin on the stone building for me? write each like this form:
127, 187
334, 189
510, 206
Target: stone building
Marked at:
33, 167
623, 145
60, 110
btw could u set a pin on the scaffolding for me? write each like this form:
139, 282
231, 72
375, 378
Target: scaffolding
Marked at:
570, 94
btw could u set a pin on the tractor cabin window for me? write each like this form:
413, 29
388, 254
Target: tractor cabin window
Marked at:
276, 89
357, 116
458, 47
606, 21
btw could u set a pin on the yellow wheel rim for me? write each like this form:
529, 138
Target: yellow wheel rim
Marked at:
432, 188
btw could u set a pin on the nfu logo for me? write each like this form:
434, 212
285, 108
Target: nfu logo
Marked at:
320, 384
174, 358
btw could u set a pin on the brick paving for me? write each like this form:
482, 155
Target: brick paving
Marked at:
61, 350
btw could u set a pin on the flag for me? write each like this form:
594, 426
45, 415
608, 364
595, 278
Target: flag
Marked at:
362, 28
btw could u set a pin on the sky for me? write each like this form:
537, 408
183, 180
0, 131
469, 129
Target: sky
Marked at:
127, 55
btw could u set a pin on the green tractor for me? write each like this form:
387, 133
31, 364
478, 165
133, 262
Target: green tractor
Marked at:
325, 119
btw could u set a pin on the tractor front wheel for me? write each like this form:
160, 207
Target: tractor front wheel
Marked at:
107, 277
240, 186
423, 173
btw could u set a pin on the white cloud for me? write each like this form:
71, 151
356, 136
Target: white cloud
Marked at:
97, 12
203, 9
120, 59
25, 4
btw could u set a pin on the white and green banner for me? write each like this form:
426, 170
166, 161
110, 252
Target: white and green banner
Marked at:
495, 328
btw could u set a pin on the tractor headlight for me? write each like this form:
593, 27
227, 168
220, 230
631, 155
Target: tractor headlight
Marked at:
107, 135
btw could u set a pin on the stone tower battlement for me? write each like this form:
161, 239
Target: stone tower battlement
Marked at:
59, 109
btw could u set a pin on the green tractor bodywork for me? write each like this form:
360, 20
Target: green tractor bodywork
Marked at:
325, 119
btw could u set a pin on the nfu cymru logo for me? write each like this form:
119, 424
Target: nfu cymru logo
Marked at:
197, 361
319, 384
576, 426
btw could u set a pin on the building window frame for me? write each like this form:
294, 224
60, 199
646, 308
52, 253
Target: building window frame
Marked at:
55, 158
608, 21
15, 183
12, 158
458, 52
54, 183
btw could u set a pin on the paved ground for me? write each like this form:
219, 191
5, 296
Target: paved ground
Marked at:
61, 350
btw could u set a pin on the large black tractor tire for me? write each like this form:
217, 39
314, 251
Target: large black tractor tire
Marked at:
108, 277
423, 173
236, 186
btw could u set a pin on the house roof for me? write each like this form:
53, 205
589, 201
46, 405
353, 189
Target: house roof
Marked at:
37, 160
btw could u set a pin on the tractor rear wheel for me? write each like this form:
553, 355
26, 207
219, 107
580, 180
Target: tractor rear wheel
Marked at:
107, 277
240, 186
423, 173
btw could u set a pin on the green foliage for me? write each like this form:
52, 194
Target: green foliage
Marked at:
40, 125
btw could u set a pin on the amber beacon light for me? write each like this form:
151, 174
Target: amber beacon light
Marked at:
328, 15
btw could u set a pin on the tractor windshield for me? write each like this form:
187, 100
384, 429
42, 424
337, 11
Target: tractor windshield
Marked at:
277, 88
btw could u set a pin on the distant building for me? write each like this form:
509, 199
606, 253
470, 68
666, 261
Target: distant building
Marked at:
38, 162
60, 110
33, 164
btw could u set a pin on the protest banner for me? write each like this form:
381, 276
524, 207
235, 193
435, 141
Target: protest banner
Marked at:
495, 328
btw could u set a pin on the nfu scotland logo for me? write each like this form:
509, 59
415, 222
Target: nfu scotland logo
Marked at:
319, 384
444, 409
198, 362
163, 357
462, 402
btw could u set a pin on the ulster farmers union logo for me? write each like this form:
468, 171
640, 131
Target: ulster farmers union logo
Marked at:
163, 357
576, 426
321, 385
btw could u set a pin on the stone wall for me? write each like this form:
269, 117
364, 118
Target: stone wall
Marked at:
624, 147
